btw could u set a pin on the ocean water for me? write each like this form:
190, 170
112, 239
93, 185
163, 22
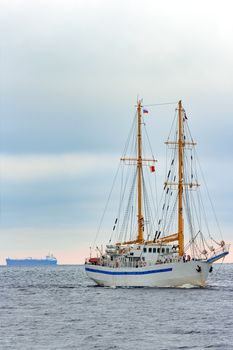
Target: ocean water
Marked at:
60, 308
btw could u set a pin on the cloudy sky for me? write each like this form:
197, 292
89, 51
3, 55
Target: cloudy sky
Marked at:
70, 74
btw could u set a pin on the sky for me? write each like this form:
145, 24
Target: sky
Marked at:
71, 72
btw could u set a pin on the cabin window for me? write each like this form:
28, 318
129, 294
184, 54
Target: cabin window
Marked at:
150, 250
158, 250
154, 250
167, 250
163, 250
144, 249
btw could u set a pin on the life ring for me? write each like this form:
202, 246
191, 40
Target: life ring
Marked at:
198, 268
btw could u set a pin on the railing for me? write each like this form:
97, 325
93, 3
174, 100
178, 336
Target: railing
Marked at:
135, 264
123, 263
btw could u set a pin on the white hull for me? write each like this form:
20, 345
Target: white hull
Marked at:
159, 275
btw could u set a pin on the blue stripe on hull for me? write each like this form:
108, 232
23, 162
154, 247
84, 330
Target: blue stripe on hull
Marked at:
128, 272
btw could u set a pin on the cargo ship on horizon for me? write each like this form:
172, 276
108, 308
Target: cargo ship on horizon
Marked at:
49, 260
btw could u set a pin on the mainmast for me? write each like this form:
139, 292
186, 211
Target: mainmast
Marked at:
180, 183
139, 171
139, 162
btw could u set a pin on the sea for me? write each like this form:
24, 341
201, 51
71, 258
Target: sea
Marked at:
53, 308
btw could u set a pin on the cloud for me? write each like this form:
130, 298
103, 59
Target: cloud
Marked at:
70, 75
71, 68
36, 167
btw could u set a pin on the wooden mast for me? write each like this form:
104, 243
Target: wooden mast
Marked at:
139, 161
139, 170
180, 183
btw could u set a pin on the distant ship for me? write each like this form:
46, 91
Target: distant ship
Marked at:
49, 260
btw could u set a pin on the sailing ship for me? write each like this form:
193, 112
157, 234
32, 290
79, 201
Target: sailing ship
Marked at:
174, 251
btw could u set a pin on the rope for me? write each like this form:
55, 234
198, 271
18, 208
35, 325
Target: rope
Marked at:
106, 205
160, 104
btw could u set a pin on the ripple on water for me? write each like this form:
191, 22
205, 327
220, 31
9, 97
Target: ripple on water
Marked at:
57, 309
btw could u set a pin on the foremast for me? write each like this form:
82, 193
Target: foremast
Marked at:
180, 143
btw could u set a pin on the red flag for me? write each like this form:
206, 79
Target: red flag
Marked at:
152, 168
